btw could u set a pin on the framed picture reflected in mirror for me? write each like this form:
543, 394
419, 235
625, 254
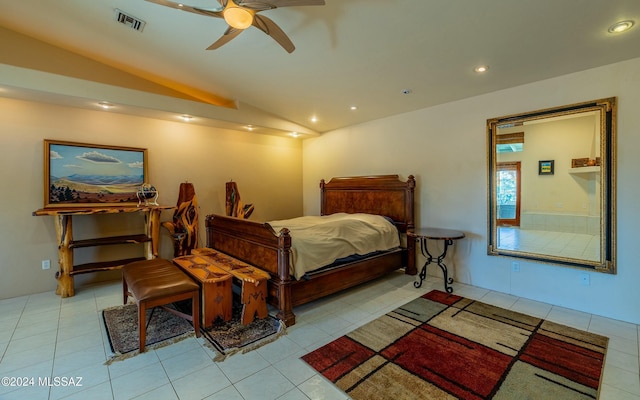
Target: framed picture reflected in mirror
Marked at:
545, 167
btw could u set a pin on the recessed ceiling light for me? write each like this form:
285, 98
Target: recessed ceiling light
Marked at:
186, 118
481, 68
105, 104
294, 134
353, 108
250, 128
406, 91
314, 119
621, 26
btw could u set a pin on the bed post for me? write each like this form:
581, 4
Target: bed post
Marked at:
322, 184
285, 302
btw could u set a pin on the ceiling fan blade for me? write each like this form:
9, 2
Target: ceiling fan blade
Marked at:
271, 4
229, 34
217, 13
256, 5
269, 27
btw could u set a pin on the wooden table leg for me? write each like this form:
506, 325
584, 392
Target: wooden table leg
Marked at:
254, 301
152, 229
217, 300
65, 256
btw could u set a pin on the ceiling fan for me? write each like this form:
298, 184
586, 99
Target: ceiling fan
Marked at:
241, 14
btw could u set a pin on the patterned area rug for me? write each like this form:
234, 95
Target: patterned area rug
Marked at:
121, 323
443, 346
228, 338
166, 328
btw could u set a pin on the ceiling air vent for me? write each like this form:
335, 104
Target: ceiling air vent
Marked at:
129, 20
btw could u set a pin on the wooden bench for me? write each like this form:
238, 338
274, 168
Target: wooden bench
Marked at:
252, 280
216, 293
156, 283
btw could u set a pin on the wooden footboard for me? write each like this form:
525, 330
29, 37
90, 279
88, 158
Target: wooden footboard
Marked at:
258, 244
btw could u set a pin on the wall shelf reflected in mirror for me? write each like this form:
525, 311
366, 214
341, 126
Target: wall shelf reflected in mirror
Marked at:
562, 212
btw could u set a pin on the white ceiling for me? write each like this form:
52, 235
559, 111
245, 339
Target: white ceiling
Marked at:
348, 52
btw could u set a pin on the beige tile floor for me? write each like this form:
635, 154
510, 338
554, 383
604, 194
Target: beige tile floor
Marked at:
562, 244
43, 335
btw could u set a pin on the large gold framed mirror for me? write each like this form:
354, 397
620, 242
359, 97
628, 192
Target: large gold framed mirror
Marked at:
552, 186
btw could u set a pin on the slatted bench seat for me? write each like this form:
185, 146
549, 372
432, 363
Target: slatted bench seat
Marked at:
156, 283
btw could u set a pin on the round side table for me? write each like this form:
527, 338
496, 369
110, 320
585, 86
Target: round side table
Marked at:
422, 235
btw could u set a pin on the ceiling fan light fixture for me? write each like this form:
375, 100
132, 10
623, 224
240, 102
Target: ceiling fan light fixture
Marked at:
237, 17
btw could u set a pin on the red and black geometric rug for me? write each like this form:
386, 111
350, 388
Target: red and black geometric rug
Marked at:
443, 346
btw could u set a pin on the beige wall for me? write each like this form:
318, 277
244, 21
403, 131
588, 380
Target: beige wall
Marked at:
266, 168
445, 148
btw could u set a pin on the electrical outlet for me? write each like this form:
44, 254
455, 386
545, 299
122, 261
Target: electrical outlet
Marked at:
46, 264
584, 279
515, 266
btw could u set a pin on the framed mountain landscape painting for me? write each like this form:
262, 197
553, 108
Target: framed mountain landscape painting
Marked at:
91, 175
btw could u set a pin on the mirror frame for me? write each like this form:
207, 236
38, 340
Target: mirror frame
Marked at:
607, 109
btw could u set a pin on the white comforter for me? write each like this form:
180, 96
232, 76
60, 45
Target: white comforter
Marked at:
319, 241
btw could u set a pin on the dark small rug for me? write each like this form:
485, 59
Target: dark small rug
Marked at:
443, 346
121, 323
231, 337
165, 328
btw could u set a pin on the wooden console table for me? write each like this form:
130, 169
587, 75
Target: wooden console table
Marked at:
66, 244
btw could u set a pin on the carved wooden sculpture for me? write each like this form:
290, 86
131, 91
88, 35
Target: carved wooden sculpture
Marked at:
184, 225
233, 205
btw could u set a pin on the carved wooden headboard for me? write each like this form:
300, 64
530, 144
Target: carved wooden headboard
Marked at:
385, 195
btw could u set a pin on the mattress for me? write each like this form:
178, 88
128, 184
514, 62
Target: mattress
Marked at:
317, 241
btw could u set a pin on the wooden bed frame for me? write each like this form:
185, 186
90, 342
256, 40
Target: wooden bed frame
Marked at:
258, 244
